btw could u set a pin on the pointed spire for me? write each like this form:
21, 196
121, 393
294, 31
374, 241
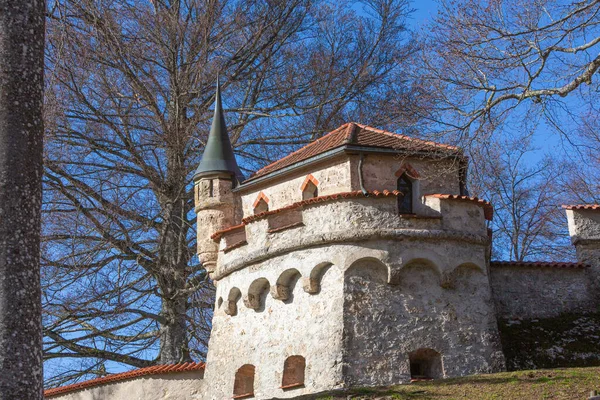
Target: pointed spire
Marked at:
218, 153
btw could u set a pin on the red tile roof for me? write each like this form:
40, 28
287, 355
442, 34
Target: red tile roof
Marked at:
582, 207
136, 373
358, 135
545, 264
320, 199
488, 210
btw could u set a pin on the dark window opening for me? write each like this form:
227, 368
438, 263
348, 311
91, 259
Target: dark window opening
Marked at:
405, 200
425, 364
243, 386
211, 188
293, 372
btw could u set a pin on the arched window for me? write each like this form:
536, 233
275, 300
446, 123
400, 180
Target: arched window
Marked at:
244, 382
425, 364
293, 372
405, 201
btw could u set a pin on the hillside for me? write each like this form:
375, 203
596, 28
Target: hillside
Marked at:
555, 384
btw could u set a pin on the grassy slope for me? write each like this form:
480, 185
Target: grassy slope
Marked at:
568, 383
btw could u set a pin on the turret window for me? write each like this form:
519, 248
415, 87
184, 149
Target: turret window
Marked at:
293, 372
405, 200
310, 188
243, 387
261, 204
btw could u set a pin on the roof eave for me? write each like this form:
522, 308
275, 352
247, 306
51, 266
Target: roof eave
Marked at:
347, 149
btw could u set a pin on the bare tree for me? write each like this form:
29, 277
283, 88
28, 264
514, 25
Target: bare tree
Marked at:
529, 223
482, 60
130, 86
21, 136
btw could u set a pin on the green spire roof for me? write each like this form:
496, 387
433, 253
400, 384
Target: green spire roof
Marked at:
218, 153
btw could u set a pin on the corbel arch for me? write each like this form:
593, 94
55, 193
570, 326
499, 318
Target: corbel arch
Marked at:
255, 298
369, 268
312, 283
283, 288
233, 297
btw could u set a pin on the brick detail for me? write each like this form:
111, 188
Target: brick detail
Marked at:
582, 207
308, 179
409, 170
541, 264
261, 196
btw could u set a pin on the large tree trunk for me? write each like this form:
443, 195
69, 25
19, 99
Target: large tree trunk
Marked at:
21, 133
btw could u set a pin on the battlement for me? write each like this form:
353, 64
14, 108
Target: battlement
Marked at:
348, 217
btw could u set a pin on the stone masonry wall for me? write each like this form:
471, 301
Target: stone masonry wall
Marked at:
540, 292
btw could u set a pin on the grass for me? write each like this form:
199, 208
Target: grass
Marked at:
554, 384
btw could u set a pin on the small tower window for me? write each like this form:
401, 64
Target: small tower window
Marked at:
261, 204
261, 207
293, 372
310, 188
425, 364
405, 201
243, 386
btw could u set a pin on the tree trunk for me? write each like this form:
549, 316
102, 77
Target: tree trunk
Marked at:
21, 134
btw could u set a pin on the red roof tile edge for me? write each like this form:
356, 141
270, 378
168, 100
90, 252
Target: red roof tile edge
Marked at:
488, 210
582, 207
320, 199
348, 130
556, 264
136, 373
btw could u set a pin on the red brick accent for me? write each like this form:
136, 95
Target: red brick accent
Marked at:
360, 135
217, 235
411, 172
286, 227
235, 246
543, 264
123, 376
308, 179
261, 196
488, 210
582, 207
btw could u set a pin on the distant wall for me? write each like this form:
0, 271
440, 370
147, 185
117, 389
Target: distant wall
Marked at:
540, 292
174, 386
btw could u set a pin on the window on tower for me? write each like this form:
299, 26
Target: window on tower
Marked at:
293, 372
405, 200
243, 385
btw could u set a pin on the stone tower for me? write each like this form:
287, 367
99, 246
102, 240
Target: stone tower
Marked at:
215, 177
584, 229
358, 261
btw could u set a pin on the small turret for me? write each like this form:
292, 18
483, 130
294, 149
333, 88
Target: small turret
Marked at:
215, 177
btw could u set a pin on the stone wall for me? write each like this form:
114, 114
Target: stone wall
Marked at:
173, 386
442, 309
530, 292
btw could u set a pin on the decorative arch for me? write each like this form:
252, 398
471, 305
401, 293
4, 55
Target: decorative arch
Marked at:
283, 288
293, 372
399, 274
232, 300
369, 268
312, 283
450, 279
243, 385
310, 187
255, 299
261, 204
425, 363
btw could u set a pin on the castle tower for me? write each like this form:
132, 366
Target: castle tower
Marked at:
215, 177
358, 261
